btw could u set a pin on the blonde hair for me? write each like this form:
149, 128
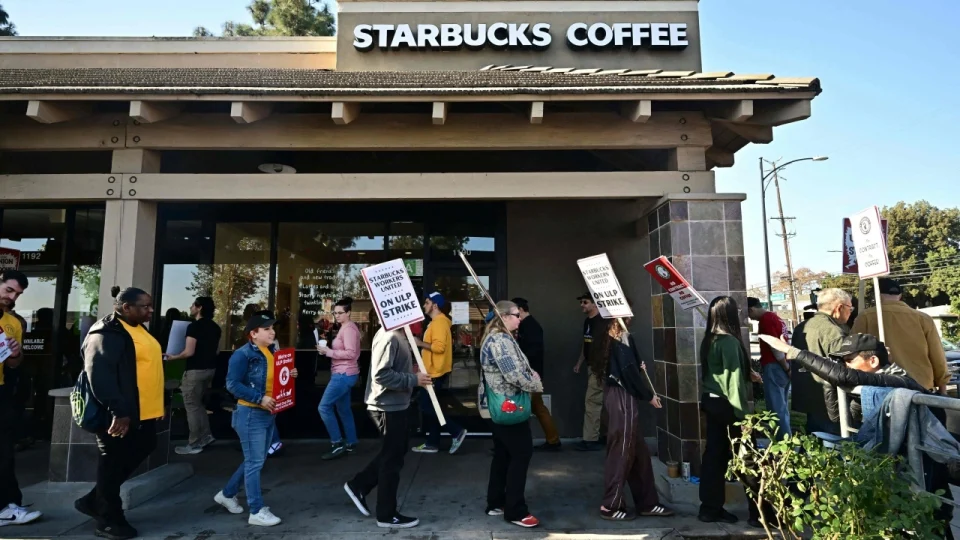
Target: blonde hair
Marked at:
496, 324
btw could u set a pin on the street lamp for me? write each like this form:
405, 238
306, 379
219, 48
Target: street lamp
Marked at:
763, 202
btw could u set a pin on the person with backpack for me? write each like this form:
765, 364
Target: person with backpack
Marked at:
508, 382
124, 366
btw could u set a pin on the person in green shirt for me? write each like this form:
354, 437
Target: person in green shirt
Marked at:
726, 368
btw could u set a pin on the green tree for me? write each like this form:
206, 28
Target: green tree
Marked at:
6, 27
281, 18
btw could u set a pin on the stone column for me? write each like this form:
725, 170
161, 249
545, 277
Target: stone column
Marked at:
702, 235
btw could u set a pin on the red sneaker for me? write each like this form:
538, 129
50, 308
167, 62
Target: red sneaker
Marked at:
528, 522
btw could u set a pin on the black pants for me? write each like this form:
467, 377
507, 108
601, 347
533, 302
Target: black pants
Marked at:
383, 472
119, 458
9, 488
717, 455
512, 451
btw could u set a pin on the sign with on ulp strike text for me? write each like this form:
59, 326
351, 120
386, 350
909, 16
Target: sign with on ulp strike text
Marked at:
870, 243
604, 287
393, 294
670, 279
283, 388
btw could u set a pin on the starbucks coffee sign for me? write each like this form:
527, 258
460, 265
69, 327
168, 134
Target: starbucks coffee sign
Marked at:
519, 36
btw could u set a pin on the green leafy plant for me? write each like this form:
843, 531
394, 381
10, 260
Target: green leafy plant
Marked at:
843, 492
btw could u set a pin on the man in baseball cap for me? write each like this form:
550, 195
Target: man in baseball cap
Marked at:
862, 352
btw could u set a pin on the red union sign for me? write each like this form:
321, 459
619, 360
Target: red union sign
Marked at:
850, 265
9, 259
283, 388
675, 284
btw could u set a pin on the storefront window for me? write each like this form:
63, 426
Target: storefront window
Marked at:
477, 241
83, 298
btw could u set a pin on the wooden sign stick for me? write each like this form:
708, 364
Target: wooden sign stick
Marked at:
423, 368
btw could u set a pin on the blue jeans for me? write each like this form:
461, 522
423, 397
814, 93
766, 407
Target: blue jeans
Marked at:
776, 387
336, 400
431, 424
256, 428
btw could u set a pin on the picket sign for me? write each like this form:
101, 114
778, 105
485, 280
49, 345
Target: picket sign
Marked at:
607, 294
871, 244
397, 306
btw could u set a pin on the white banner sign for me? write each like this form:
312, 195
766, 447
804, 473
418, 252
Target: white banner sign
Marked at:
177, 341
870, 243
393, 294
604, 287
460, 312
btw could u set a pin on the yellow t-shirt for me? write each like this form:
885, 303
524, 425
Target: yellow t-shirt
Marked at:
269, 389
11, 329
438, 359
149, 371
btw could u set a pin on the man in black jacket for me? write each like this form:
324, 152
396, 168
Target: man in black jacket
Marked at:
530, 338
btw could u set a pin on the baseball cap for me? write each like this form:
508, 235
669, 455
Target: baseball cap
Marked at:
258, 321
889, 286
437, 299
585, 296
858, 343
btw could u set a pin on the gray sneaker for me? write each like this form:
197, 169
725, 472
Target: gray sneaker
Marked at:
457, 441
188, 450
207, 441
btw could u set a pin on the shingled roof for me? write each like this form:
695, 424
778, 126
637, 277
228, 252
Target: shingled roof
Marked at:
491, 80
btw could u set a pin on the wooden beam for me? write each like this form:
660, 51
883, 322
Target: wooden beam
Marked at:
52, 112
344, 113
149, 112
536, 112
637, 111
418, 186
687, 158
585, 131
97, 132
245, 112
778, 113
439, 116
736, 111
750, 132
719, 158
135, 161
61, 187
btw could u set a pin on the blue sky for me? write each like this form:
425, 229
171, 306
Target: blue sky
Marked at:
886, 118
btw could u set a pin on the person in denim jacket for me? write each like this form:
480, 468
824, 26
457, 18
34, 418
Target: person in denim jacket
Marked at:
250, 380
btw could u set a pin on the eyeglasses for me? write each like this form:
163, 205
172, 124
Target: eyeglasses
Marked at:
339, 312
848, 306
143, 306
517, 315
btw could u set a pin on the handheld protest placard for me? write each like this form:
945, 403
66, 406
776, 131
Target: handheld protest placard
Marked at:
873, 261
607, 294
397, 305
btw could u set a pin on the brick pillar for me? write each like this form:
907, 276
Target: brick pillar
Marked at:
702, 235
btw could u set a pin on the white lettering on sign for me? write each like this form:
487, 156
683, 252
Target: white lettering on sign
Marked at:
870, 243
604, 287
520, 36
393, 295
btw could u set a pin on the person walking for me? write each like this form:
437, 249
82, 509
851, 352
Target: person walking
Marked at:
530, 338
507, 374
726, 366
774, 367
593, 400
124, 364
628, 459
389, 388
344, 369
437, 345
12, 511
201, 350
250, 379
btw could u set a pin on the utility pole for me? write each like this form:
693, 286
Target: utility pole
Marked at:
786, 249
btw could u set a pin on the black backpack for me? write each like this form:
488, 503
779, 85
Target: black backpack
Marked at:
88, 413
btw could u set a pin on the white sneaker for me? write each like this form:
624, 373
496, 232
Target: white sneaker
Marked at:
188, 450
264, 518
17, 515
230, 503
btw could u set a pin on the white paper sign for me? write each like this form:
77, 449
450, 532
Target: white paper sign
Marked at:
177, 341
870, 243
604, 287
393, 294
460, 312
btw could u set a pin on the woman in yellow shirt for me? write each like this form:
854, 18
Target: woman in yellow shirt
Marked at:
125, 366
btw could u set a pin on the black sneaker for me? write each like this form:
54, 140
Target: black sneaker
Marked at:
337, 450
548, 447
351, 448
358, 499
717, 517
588, 446
121, 531
399, 522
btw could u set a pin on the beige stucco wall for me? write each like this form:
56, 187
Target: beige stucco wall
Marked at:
552, 12
544, 241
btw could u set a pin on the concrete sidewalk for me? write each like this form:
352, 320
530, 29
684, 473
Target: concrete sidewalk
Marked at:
446, 492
